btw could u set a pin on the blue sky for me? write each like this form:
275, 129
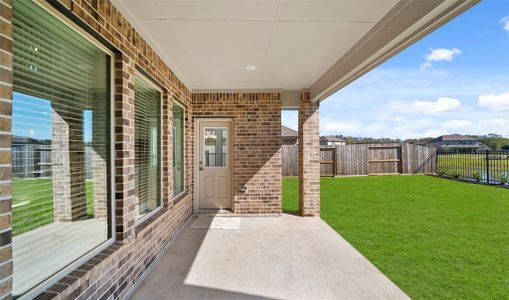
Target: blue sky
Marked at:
455, 80
31, 117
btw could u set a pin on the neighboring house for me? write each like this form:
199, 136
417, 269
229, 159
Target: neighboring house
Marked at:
457, 142
331, 140
288, 136
31, 158
184, 123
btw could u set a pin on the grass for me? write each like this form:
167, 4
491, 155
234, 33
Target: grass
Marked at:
433, 237
32, 203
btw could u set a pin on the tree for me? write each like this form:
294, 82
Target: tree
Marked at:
494, 141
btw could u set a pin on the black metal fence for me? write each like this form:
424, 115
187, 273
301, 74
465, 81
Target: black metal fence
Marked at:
484, 166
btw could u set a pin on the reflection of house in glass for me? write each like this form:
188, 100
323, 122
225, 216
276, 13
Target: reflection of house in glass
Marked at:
215, 147
31, 158
41, 144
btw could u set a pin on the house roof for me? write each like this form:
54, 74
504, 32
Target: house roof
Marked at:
318, 45
454, 137
288, 132
331, 138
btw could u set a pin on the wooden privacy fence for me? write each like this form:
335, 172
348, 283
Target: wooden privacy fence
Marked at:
385, 159
328, 159
366, 159
290, 160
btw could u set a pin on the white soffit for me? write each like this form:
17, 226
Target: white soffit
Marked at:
292, 43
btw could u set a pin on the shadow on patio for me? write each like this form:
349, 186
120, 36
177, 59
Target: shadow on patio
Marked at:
285, 257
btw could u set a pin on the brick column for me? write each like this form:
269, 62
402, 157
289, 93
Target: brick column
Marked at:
309, 157
5, 149
124, 147
68, 165
167, 146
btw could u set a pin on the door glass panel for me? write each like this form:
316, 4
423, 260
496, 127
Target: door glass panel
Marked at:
216, 147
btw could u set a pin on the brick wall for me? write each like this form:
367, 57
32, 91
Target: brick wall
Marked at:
256, 146
309, 157
116, 269
5, 147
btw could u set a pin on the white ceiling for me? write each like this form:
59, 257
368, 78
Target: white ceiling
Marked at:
292, 43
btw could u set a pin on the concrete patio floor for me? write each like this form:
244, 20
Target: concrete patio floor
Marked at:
285, 257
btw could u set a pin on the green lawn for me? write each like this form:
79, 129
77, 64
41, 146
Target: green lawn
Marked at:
32, 203
433, 237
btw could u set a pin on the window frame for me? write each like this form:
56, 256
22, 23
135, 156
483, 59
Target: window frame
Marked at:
140, 73
64, 271
184, 190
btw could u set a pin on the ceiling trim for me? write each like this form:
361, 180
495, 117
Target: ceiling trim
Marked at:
406, 23
290, 100
173, 67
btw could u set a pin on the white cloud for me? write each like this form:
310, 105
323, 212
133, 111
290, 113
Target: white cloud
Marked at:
458, 124
340, 128
494, 102
434, 132
497, 125
440, 54
441, 105
378, 129
505, 21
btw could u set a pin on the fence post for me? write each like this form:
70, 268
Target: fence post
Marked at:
334, 159
487, 166
434, 164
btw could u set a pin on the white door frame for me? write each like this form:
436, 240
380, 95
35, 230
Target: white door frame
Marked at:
196, 192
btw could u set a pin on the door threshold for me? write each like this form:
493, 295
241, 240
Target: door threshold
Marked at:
214, 212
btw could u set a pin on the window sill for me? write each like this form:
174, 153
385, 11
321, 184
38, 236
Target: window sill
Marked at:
146, 222
140, 227
179, 197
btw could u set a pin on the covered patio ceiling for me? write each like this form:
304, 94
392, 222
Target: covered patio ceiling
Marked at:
215, 45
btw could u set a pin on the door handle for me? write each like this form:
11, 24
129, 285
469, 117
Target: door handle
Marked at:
201, 166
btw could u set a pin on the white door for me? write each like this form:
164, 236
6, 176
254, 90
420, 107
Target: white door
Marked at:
214, 164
